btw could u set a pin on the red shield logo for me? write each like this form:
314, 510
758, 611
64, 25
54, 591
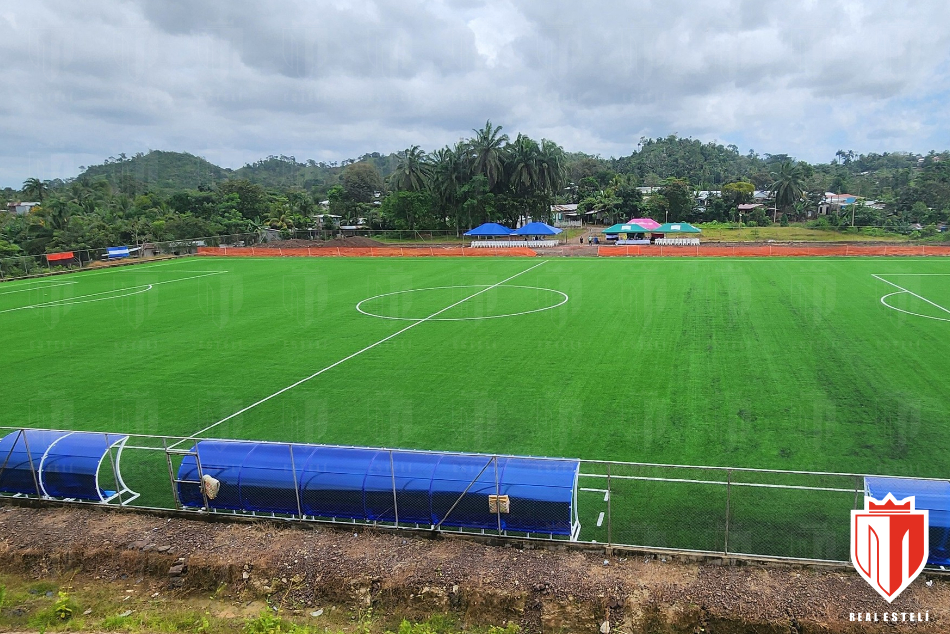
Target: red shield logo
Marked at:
890, 543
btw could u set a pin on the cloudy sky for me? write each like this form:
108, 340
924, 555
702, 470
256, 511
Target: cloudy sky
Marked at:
331, 79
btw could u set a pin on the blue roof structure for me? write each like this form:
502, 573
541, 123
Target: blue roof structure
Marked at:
422, 488
61, 464
489, 229
537, 229
933, 495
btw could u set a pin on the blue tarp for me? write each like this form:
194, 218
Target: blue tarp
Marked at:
118, 252
489, 229
933, 495
61, 464
537, 229
357, 483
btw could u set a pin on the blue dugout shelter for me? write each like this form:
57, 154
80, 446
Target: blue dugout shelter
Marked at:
933, 495
488, 230
537, 229
59, 464
532, 495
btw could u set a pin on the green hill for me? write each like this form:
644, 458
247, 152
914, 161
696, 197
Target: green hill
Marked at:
157, 170
175, 171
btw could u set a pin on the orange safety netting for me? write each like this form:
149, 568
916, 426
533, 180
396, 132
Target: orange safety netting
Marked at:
772, 250
367, 252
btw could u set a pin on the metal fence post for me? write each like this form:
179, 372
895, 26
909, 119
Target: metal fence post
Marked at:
171, 473
497, 494
293, 469
29, 456
857, 487
610, 496
725, 545
392, 472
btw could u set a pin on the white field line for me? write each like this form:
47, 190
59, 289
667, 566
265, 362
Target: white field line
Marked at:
600, 518
135, 290
901, 288
563, 301
355, 354
36, 288
110, 294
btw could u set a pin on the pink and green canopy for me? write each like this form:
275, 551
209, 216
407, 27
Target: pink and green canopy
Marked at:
626, 227
647, 223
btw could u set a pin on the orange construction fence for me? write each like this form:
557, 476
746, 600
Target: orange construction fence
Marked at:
367, 252
772, 250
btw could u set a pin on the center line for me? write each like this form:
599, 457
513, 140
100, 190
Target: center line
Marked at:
355, 354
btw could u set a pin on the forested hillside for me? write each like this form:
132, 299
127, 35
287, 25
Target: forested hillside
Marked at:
491, 176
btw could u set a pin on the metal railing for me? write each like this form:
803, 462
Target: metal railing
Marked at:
796, 515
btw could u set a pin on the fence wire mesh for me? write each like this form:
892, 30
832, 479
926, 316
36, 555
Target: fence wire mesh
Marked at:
770, 513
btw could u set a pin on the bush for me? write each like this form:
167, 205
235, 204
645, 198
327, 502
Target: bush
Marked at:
60, 612
270, 623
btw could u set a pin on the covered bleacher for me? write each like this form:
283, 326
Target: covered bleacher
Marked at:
532, 235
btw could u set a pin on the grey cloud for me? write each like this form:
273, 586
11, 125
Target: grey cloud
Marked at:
235, 81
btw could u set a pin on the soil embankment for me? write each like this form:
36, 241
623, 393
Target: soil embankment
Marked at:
397, 575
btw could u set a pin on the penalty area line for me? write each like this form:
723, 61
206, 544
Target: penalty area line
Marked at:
904, 290
103, 296
355, 354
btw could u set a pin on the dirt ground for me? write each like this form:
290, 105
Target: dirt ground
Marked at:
354, 241
542, 590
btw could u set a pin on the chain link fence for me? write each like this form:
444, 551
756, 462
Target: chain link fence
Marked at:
731, 511
37, 265
26, 266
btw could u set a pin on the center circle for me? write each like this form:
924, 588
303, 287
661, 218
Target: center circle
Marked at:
430, 304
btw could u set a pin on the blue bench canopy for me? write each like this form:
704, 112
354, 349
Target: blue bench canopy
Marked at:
933, 495
58, 464
357, 483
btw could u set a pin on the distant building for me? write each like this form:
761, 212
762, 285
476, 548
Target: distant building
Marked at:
565, 215
20, 209
834, 203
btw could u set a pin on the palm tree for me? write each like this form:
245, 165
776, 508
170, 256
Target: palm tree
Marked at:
523, 162
57, 214
488, 153
35, 188
412, 171
788, 186
448, 174
552, 167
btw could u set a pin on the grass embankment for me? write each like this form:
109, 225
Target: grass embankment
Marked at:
144, 605
794, 233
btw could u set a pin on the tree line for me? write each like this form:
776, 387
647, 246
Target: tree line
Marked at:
489, 176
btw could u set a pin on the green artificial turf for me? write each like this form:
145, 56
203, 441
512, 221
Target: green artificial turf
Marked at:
767, 363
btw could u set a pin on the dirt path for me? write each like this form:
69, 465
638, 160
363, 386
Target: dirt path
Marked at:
541, 590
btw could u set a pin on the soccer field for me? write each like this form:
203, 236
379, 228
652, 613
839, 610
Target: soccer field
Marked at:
816, 364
